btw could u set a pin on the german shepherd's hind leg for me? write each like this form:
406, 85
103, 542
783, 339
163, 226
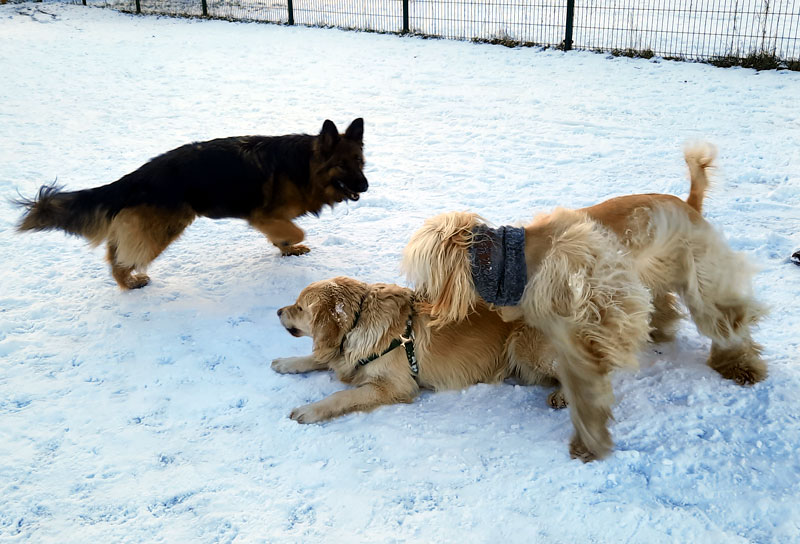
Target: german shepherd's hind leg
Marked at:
137, 236
122, 274
283, 234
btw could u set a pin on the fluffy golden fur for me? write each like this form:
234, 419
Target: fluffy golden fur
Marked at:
604, 280
349, 320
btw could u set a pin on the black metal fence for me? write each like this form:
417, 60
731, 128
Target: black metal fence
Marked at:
765, 33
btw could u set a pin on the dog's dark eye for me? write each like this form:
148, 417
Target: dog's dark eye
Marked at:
299, 308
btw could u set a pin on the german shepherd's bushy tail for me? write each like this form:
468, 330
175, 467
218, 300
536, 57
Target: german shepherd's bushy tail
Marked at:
81, 213
699, 157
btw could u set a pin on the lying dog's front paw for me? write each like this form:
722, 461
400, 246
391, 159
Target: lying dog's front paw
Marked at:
284, 365
307, 414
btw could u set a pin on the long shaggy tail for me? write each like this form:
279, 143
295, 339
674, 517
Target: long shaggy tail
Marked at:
78, 213
699, 157
436, 261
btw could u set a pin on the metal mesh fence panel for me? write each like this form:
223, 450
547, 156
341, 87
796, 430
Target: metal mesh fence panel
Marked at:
374, 15
524, 21
690, 29
272, 11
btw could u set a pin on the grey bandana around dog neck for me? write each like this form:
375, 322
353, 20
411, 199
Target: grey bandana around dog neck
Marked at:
499, 271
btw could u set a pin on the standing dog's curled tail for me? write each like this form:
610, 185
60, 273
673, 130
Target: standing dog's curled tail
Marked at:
699, 157
78, 212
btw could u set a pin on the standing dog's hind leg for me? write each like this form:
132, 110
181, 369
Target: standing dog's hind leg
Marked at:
742, 364
723, 308
665, 317
123, 274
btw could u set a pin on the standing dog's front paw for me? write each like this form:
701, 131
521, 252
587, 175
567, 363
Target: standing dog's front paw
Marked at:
307, 414
297, 249
557, 400
579, 450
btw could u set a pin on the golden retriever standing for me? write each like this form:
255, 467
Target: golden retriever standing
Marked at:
353, 324
602, 281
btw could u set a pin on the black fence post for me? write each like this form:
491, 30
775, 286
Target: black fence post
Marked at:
405, 16
290, 7
205, 8
570, 21
138, 7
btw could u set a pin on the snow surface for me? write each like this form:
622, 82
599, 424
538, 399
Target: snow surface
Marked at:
153, 415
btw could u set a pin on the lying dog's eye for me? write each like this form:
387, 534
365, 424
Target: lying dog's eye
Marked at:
299, 308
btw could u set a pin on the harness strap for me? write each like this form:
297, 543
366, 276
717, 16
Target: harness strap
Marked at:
407, 341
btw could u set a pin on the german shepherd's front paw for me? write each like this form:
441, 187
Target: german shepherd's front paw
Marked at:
297, 249
139, 280
134, 281
310, 413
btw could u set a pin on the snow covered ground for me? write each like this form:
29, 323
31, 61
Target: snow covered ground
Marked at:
153, 415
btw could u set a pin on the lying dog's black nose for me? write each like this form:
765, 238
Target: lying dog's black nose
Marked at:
280, 311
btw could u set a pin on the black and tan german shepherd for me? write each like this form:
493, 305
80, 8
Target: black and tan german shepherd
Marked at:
265, 180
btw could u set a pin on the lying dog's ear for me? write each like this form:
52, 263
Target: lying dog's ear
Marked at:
328, 137
384, 311
333, 315
355, 131
326, 331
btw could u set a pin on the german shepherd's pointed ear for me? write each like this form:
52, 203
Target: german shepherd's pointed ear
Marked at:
328, 136
355, 132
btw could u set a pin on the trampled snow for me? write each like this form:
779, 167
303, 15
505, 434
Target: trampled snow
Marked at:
154, 416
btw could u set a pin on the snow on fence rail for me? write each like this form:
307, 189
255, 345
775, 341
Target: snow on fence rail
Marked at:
708, 30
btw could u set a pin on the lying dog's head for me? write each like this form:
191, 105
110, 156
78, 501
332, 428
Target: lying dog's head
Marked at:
369, 314
324, 309
437, 261
339, 161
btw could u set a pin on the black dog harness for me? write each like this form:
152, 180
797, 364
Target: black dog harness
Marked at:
499, 270
406, 340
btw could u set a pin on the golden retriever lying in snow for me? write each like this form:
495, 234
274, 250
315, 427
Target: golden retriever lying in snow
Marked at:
598, 282
353, 323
